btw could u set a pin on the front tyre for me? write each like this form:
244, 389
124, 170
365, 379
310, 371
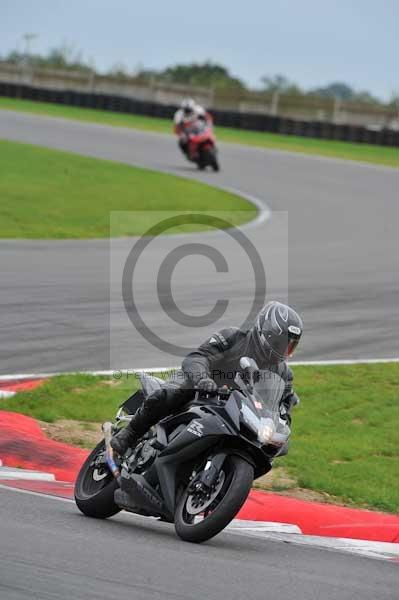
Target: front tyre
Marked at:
197, 520
213, 160
95, 486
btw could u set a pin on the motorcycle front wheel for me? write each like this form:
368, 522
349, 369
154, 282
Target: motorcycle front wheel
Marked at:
213, 160
199, 516
208, 157
95, 486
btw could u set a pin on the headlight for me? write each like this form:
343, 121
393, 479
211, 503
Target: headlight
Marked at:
266, 431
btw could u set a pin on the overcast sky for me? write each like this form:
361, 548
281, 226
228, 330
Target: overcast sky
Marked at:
311, 42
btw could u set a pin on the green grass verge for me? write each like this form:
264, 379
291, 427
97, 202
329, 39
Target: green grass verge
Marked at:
51, 194
334, 149
345, 433
73, 397
344, 438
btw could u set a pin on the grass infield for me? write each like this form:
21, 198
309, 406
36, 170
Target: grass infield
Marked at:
381, 155
344, 440
50, 194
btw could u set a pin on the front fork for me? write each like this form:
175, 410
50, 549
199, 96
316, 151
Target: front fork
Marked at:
210, 474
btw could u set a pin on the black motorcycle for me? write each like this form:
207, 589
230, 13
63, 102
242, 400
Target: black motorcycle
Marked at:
195, 468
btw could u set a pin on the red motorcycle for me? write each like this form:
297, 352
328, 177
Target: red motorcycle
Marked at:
201, 145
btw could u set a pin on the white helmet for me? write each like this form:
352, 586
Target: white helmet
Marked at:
188, 106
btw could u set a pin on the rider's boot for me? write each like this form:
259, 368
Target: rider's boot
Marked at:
154, 408
126, 438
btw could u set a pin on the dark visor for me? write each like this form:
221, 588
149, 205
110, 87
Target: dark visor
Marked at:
292, 344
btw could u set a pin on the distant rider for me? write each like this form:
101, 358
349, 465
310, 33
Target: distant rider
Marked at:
188, 113
270, 341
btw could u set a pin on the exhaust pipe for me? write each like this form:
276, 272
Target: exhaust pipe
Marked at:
109, 453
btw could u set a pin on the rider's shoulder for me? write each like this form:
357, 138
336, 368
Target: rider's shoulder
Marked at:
178, 115
225, 338
230, 335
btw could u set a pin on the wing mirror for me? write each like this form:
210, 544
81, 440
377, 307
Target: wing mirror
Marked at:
250, 371
248, 363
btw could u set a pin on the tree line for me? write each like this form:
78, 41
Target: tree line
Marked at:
206, 74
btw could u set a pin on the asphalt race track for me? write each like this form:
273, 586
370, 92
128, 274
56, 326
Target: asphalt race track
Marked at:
50, 551
54, 314
341, 267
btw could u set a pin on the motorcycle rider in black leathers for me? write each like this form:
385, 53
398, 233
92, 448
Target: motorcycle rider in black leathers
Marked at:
272, 339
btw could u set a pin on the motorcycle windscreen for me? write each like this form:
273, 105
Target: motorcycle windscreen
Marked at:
268, 392
265, 406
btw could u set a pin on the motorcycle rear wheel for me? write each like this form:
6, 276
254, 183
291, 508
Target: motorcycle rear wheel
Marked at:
94, 491
236, 484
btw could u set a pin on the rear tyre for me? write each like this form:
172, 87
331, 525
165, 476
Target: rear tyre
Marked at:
213, 160
95, 487
236, 477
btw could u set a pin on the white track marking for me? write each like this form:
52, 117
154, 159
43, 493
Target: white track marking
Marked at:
24, 474
343, 361
263, 526
31, 493
5, 394
97, 372
124, 372
377, 550
264, 211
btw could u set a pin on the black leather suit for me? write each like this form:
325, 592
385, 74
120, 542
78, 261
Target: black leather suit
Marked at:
218, 358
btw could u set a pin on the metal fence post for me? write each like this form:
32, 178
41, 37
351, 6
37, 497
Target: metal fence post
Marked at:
336, 109
274, 103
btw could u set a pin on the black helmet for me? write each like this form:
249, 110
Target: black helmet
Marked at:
277, 331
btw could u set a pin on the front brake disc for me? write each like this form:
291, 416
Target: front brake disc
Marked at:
198, 502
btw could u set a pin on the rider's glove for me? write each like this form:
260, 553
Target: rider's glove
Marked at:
207, 385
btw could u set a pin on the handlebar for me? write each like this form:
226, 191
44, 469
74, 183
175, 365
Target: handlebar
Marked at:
222, 391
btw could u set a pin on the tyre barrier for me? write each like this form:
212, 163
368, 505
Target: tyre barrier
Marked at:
224, 118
